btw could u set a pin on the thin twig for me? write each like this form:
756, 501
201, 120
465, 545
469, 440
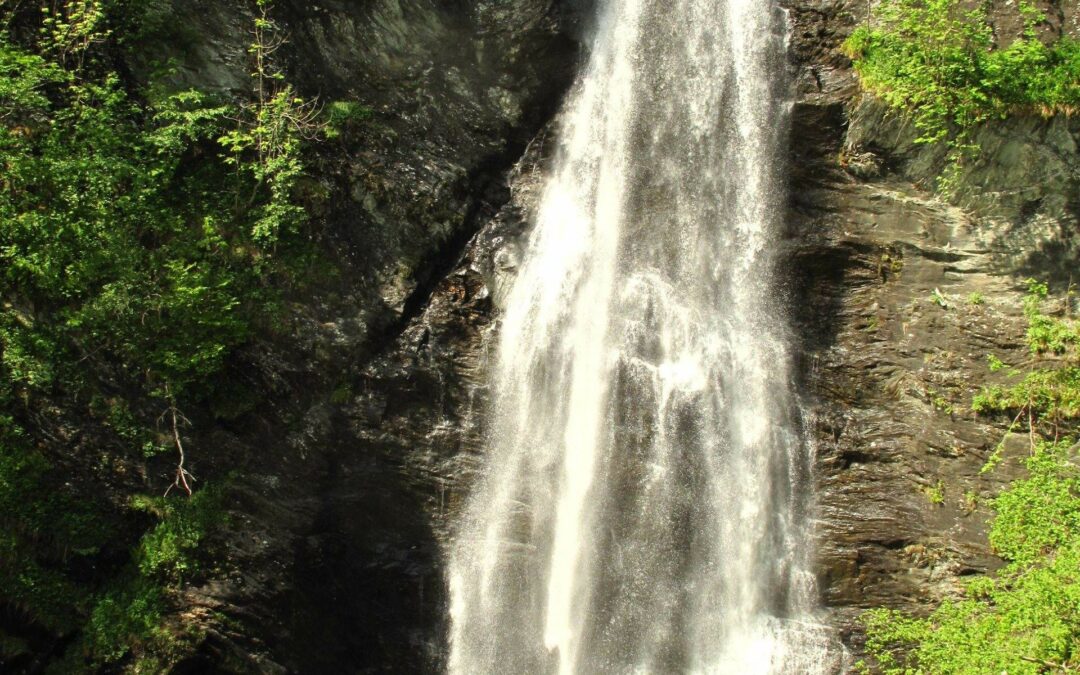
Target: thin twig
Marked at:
1049, 664
182, 474
1031, 426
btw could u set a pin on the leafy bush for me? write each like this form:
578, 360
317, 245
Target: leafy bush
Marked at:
169, 551
937, 61
345, 114
1026, 618
126, 616
1049, 396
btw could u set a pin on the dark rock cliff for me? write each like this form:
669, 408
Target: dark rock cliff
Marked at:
330, 558
353, 470
898, 297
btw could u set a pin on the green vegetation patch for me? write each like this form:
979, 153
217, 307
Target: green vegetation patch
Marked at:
1026, 619
937, 61
145, 236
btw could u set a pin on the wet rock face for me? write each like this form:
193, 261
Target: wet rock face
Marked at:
898, 298
897, 310
409, 427
1024, 187
455, 89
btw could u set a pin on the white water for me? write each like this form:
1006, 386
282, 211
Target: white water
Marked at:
643, 509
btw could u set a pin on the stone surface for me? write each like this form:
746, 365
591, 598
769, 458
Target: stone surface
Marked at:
330, 559
898, 297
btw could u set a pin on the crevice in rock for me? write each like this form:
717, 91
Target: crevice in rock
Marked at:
489, 192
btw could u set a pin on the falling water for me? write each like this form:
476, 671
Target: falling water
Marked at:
643, 505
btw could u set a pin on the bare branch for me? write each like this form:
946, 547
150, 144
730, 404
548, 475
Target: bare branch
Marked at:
1049, 664
184, 478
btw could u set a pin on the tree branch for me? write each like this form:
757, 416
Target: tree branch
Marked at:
182, 474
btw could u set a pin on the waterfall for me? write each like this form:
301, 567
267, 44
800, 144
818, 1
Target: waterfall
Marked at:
643, 507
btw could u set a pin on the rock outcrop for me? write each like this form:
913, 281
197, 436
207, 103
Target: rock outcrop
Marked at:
898, 299
330, 560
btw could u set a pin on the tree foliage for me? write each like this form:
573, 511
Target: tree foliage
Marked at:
140, 238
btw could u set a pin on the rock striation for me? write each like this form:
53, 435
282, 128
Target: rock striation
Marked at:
898, 298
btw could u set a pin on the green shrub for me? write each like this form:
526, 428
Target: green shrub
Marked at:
170, 550
1027, 617
125, 617
341, 115
937, 62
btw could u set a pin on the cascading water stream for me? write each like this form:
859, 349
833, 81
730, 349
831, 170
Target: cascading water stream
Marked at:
643, 508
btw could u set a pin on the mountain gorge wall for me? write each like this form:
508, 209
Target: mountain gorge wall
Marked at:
351, 474
330, 561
